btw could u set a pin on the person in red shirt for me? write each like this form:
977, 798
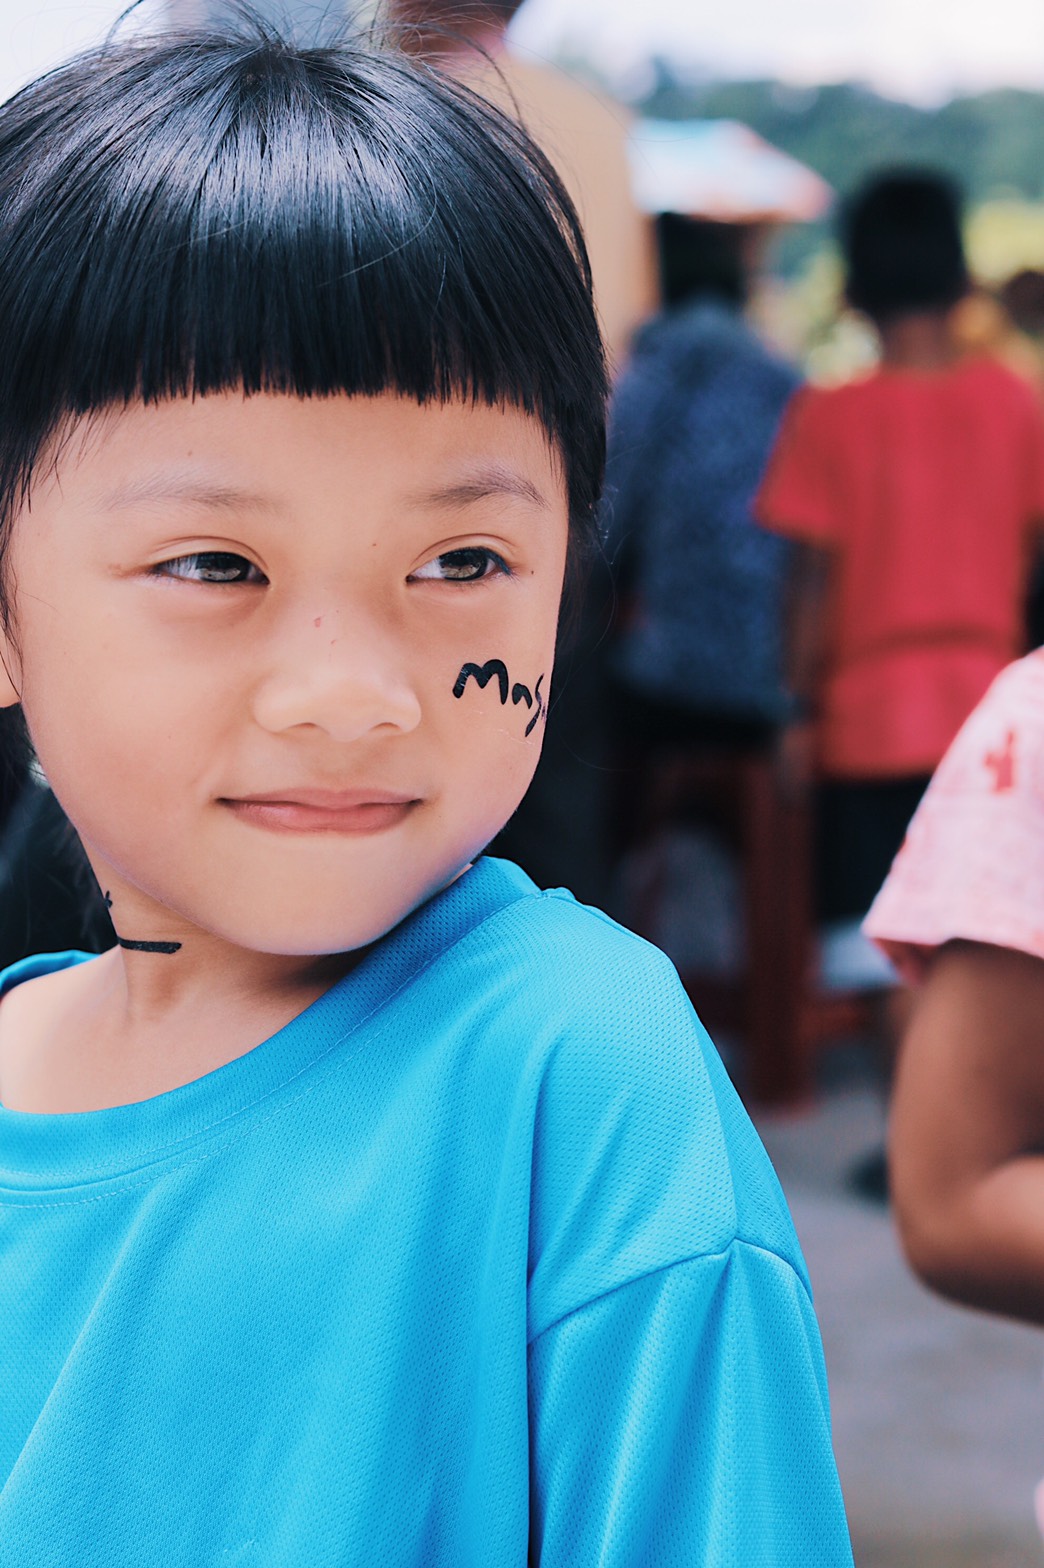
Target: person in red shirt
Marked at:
916, 494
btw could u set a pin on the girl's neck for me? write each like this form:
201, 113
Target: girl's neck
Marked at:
123, 1029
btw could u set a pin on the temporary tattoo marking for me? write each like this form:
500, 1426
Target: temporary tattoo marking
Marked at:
142, 947
484, 673
541, 709
148, 947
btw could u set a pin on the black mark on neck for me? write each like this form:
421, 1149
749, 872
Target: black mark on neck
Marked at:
148, 947
142, 947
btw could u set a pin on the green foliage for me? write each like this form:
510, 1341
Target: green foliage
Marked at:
992, 144
1004, 236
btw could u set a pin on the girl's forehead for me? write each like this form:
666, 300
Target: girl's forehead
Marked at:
282, 458
386, 439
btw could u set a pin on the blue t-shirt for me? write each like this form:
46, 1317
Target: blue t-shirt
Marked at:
477, 1262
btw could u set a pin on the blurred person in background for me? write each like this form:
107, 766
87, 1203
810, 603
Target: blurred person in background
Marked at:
1022, 299
583, 132
1016, 335
915, 496
1008, 322
697, 658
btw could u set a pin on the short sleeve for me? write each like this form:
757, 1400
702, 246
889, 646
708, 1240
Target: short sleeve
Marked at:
642, 1154
682, 1419
972, 865
797, 496
678, 1410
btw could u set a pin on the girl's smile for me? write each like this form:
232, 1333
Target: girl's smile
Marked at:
367, 810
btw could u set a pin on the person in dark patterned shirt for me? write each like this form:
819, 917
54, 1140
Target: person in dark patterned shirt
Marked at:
693, 420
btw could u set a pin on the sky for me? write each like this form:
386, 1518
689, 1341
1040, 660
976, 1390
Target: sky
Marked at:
921, 49
39, 33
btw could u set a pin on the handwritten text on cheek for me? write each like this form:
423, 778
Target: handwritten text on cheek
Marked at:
482, 674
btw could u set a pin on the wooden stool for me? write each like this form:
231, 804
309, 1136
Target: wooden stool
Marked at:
776, 1006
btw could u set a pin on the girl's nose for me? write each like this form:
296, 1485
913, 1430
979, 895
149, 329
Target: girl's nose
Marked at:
345, 681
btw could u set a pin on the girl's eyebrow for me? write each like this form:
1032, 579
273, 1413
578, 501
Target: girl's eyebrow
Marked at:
494, 479
184, 490
187, 490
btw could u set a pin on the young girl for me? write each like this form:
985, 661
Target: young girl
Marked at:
962, 914
363, 1205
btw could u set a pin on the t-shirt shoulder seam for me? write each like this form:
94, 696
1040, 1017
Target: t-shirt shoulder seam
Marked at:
735, 1243
564, 898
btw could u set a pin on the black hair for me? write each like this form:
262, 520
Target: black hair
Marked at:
699, 256
202, 212
902, 244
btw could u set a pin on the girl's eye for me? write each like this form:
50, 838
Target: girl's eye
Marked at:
210, 566
463, 566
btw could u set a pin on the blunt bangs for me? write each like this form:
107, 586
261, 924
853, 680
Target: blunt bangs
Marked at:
201, 213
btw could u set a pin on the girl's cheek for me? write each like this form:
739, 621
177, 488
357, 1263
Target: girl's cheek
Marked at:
491, 689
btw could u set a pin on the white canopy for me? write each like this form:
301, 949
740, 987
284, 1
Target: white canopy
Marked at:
722, 170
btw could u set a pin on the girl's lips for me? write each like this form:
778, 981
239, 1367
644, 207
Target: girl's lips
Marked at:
324, 811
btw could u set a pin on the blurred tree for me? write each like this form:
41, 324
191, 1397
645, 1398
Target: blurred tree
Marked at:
990, 142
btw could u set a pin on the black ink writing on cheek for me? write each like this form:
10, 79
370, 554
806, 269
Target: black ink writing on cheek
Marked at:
541, 708
484, 673
142, 947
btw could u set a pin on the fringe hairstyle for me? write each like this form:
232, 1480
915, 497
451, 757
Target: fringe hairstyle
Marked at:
202, 212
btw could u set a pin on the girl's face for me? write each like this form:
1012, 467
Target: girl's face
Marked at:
285, 661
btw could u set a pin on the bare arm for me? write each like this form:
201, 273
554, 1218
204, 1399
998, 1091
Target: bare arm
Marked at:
806, 620
805, 624
967, 1133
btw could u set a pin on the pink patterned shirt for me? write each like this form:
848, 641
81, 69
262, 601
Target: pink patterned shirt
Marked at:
972, 866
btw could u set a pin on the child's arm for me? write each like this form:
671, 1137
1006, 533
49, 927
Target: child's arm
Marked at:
804, 645
967, 1135
797, 499
806, 620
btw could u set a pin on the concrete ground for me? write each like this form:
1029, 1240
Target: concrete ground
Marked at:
938, 1412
